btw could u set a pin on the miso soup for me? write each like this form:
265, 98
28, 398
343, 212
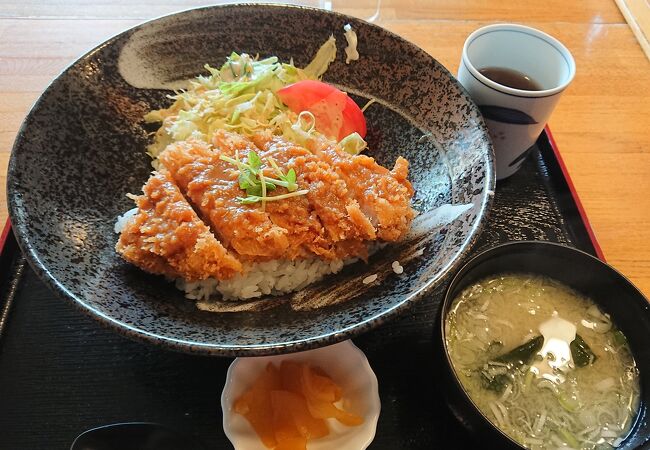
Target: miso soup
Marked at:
543, 363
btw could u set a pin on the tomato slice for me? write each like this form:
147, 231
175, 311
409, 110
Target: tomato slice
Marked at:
337, 115
353, 120
301, 95
328, 113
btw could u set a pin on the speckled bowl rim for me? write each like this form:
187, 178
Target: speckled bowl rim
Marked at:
21, 229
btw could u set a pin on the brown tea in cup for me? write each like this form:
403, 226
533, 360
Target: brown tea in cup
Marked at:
511, 78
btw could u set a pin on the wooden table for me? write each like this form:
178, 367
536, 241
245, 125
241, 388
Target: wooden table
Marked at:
602, 124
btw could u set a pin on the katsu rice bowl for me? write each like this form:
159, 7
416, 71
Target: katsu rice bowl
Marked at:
207, 182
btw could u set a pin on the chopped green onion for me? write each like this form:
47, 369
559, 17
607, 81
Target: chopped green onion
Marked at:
567, 402
569, 438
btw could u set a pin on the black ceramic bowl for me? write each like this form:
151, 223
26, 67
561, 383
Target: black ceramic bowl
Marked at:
610, 290
82, 149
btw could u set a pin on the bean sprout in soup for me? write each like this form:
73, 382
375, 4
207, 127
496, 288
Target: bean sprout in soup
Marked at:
543, 363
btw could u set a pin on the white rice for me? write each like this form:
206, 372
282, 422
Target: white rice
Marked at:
122, 220
275, 277
370, 279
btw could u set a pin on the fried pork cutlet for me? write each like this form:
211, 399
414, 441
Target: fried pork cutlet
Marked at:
211, 185
167, 237
305, 233
337, 227
384, 196
349, 202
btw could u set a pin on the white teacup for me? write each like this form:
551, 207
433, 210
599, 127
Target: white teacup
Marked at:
515, 117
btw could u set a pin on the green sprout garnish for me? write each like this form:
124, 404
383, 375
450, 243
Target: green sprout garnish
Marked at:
257, 185
254, 198
289, 178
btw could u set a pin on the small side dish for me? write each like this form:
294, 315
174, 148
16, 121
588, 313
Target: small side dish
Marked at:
543, 363
287, 405
321, 399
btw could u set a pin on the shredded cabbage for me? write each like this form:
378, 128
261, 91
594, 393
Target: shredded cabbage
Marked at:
353, 143
325, 55
240, 97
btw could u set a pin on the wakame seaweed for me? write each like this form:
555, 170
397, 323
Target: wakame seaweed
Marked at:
581, 352
497, 372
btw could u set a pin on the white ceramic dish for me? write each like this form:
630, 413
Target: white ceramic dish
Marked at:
349, 368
